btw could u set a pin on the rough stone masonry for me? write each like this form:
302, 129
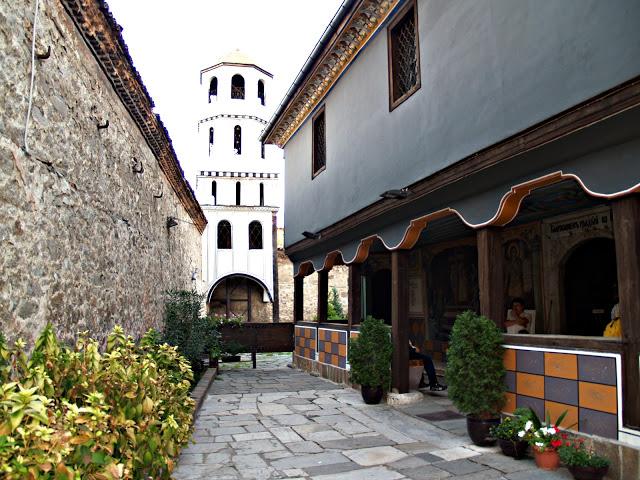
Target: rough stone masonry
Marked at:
84, 241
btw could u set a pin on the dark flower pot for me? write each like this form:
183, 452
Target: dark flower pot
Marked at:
371, 395
213, 362
513, 448
231, 358
588, 473
479, 430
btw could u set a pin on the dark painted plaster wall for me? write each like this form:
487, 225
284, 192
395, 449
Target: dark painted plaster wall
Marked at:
490, 68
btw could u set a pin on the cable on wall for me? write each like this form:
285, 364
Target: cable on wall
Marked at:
33, 75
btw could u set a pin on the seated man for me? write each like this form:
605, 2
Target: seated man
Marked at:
427, 362
518, 320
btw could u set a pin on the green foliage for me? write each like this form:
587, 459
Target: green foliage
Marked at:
370, 354
334, 307
234, 321
74, 412
233, 348
574, 453
475, 370
185, 328
511, 426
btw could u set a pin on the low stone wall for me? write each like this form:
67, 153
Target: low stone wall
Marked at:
84, 242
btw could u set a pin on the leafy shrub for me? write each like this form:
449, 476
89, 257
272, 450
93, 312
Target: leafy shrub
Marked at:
574, 453
73, 412
511, 426
234, 321
475, 370
334, 307
185, 328
233, 348
370, 354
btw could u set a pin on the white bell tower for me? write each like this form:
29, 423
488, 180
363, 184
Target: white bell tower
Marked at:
238, 187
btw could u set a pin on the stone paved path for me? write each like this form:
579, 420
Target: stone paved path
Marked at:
276, 422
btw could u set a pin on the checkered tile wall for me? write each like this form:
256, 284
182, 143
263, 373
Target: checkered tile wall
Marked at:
305, 342
584, 385
332, 347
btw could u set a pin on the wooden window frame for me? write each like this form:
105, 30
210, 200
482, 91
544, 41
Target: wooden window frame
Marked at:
398, 17
315, 173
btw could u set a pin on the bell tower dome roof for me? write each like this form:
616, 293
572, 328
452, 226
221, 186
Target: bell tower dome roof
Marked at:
238, 58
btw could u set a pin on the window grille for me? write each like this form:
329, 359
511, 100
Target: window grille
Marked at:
213, 88
237, 139
237, 87
319, 143
404, 57
224, 235
255, 235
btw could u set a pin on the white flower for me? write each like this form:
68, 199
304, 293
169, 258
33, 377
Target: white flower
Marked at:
528, 425
553, 430
521, 433
544, 430
539, 444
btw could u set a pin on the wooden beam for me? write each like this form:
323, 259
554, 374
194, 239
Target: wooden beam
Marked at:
298, 299
400, 320
228, 294
490, 275
323, 295
354, 309
626, 227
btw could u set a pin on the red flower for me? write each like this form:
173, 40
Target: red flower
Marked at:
564, 436
556, 443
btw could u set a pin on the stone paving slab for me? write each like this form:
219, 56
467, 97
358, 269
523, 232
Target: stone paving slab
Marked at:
275, 422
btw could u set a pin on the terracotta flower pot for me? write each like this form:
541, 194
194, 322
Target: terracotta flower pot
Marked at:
588, 473
546, 459
371, 395
513, 448
479, 430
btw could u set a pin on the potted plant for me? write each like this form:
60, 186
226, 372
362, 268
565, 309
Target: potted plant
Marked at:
475, 374
370, 359
507, 434
582, 462
232, 351
544, 439
215, 351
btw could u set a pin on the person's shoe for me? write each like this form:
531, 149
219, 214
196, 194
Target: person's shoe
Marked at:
437, 387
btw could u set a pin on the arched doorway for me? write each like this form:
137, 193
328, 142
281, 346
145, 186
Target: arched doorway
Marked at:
240, 296
590, 278
381, 295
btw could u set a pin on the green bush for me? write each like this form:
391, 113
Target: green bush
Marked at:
185, 328
334, 307
475, 370
370, 354
74, 412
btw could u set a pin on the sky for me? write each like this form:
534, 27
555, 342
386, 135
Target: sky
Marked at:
171, 41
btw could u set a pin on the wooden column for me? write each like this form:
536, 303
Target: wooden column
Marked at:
298, 299
354, 311
249, 309
323, 295
626, 227
400, 320
490, 276
276, 287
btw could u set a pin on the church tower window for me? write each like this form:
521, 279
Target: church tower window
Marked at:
213, 88
224, 235
261, 92
237, 139
214, 192
237, 87
262, 194
255, 235
238, 199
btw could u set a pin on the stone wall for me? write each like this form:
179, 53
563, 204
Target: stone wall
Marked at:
338, 277
83, 239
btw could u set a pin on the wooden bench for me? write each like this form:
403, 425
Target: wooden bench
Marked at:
260, 337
